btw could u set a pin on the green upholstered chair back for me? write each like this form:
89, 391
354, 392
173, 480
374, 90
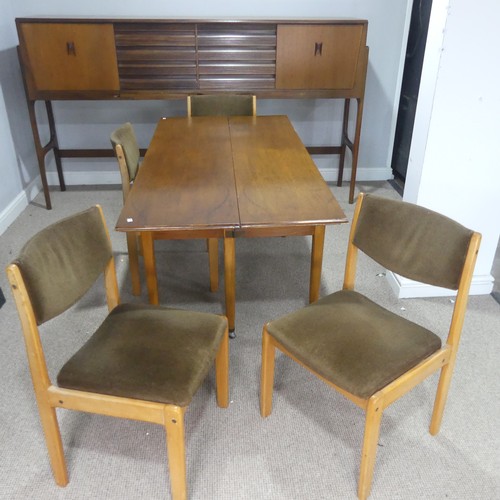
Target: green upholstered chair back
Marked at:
412, 241
125, 136
222, 105
61, 262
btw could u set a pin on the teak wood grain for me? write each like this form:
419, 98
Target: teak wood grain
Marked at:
277, 182
82, 56
227, 177
318, 57
186, 180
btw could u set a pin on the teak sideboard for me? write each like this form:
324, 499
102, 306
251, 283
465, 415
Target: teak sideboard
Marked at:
107, 59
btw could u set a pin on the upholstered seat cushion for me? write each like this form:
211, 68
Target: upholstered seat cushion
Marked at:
147, 352
353, 342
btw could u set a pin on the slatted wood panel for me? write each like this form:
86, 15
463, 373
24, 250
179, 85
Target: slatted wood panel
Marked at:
156, 56
236, 56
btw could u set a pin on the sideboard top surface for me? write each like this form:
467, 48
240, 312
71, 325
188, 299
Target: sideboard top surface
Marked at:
302, 20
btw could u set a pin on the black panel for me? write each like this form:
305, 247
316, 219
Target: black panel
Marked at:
417, 38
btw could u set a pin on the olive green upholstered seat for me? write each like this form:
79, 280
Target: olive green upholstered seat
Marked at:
221, 105
127, 153
146, 352
143, 362
369, 354
353, 342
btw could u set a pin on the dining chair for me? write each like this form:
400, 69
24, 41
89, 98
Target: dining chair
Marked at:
221, 105
127, 152
371, 355
143, 362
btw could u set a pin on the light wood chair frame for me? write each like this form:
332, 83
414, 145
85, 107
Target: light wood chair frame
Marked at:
49, 397
443, 360
134, 245
254, 105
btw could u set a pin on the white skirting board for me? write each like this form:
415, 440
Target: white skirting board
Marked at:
19, 203
405, 288
362, 174
86, 178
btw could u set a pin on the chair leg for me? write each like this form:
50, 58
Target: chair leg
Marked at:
213, 263
133, 259
174, 426
266, 374
441, 395
370, 442
222, 372
54, 443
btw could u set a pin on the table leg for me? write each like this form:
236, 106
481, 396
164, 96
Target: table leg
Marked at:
148, 252
213, 263
230, 280
318, 241
133, 262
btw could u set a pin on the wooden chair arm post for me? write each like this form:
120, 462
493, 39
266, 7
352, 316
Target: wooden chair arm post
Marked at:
352, 251
174, 427
454, 334
267, 374
39, 375
124, 174
110, 281
111, 285
463, 292
34, 349
222, 372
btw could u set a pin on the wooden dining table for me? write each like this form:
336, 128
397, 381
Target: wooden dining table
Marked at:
228, 177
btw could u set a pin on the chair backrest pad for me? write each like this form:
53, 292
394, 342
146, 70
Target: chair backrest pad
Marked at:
125, 136
61, 262
412, 241
222, 105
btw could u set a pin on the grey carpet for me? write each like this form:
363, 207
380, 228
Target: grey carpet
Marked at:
309, 448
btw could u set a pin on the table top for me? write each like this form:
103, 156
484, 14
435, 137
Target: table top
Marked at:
186, 180
277, 182
227, 172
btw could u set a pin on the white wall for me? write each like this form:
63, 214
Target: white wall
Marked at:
454, 159
18, 167
88, 124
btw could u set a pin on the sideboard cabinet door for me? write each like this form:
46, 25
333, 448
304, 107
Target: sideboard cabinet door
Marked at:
70, 56
318, 56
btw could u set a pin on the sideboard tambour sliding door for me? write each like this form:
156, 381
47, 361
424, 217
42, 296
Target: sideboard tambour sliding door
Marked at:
108, 59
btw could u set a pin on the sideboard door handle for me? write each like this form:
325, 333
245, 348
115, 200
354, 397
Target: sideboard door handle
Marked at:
318, 48
70, 48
